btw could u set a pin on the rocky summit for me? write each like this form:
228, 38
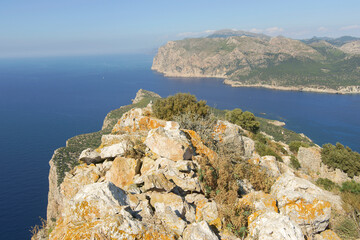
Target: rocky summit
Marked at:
143, 181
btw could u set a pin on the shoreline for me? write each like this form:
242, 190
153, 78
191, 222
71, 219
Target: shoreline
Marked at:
320, 89
342, 90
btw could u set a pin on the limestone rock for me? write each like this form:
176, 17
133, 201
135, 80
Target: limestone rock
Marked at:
229, 133
310, 159
327, 235
137, 119
114, 145
144, 93
305, 203
123, 171
157, 181
199, 231
272, 225
90, 156
199, 146
260, 201
169, 143
271, 165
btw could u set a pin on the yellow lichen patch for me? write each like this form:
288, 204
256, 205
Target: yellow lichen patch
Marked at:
199, 206
306, 211
254, 216
329, 235
259, 201
219, 130
216, 223
201, 149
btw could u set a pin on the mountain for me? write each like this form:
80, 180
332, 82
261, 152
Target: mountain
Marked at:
142, 177
334, 41
225, 33
278, 62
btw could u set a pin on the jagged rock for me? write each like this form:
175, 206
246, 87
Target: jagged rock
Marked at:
271, 165
206, 210
272, 225
170, 143
90, 156
229, 133
76, 179
199, 231
199, 146
114, 145
123, 171
305, 203
137, 119
141, 205
327, 235
310, 159
259, 201
171, 219
157, 181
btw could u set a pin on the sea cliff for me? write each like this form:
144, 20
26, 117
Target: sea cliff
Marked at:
142, 177
277, 63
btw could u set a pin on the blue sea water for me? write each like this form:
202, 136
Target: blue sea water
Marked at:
45, 101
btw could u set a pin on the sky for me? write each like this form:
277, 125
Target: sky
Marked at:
87, 27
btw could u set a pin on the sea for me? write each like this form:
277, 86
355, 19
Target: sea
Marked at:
45, 101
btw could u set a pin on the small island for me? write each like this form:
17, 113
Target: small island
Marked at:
255, 60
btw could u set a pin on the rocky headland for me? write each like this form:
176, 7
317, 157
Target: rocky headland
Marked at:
141, 177
250, 60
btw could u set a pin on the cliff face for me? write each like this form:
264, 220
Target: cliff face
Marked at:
275, 62
144, 180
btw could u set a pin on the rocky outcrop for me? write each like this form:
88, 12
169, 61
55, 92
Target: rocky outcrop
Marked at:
306, 204
141, 94
157, 194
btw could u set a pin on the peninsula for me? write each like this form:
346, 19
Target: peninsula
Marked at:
245, 59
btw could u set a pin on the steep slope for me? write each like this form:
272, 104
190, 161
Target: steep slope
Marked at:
279, 62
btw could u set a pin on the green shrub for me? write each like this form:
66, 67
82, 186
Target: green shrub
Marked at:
294, 162
246, 120
295, 145
180, 103
264, 150
342, 158
350, 186
326, 184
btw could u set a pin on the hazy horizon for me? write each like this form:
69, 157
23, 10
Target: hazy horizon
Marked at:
41, 28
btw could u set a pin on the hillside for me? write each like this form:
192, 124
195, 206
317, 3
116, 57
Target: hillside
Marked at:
144, 177
277, 62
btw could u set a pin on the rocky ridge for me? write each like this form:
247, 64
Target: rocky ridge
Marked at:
142, 183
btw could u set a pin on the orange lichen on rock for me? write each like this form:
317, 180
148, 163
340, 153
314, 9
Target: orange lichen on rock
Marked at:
201, 149
305, 211
329, 235
260, 201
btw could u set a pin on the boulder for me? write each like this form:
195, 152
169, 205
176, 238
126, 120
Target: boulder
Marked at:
228, 133
310, 159
271, 165
89, 156
327, 235
156, 181
271, 225
169, 143
137, 119
306, 204
199, 231
114, 145
123, 171
260, 201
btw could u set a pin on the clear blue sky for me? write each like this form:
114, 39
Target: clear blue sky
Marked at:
76, 27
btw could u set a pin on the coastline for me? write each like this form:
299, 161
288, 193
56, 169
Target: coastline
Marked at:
320, 89
232, 83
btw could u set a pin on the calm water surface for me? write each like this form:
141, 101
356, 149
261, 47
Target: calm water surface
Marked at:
43, 102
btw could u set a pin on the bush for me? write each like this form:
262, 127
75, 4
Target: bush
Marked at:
326, 184
342, 158
265, 150
180, 103
295, 145
246, 120
294, 162
350, 186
